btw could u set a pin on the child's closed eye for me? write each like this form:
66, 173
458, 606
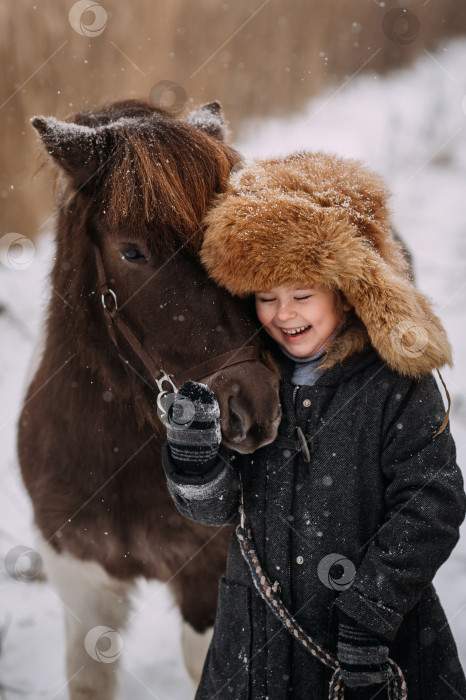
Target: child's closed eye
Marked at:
265, 300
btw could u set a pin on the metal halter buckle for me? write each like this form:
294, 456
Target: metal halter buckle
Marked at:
110, 291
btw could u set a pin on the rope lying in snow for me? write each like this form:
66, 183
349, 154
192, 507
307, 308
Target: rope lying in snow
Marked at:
396, 688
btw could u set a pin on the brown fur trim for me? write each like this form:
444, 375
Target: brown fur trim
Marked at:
352, 339
314, 219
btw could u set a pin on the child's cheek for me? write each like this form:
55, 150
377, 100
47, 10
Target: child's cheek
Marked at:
264, 317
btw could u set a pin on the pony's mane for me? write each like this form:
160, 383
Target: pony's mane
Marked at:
158, 174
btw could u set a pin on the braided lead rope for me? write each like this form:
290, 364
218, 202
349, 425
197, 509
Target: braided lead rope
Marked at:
396, 688
336, 689
267, 592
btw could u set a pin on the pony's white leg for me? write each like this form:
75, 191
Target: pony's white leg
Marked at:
96, 608
194, 646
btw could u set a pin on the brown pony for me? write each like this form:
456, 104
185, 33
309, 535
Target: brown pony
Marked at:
134, 185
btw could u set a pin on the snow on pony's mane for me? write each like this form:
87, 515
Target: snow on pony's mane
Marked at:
153, 176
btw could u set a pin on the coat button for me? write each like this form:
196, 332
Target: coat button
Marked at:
300, 560
307, 403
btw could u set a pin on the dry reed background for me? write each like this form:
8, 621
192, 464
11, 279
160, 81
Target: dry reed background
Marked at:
259, 57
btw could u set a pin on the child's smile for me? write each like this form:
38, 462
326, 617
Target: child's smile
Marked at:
294, 334
299, 319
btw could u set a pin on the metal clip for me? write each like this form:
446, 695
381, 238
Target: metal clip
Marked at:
162, 406
166, 378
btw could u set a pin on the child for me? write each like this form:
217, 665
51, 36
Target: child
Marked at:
358, 501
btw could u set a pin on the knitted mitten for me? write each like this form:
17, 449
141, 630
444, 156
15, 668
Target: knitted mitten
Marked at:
363, 658
193, 427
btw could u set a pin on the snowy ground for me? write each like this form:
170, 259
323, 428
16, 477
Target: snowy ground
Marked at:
411, 127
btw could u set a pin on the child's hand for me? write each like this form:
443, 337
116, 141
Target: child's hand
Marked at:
193, 427
363, 658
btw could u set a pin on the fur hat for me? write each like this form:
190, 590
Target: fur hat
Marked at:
314, 219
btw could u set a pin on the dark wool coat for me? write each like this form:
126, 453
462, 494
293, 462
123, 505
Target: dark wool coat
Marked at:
380, 493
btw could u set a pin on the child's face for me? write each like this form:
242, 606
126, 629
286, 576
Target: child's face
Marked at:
311, 312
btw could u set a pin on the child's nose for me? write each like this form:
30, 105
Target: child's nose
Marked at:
285, 312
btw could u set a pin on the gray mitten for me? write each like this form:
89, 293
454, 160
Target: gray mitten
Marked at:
193, 427
363, 658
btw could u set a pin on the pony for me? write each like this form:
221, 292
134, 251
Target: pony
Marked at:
132, 314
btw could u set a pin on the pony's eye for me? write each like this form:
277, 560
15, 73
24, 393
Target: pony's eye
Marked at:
133, 255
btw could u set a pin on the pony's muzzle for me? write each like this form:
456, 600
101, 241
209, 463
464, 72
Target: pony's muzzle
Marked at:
238, 423
245, 435
249, 406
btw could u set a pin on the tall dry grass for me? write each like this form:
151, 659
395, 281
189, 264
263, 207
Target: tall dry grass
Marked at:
259, 57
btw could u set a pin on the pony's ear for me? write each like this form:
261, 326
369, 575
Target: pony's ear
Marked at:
72, 146
210, 119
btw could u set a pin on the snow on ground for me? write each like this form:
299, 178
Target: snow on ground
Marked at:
411, 127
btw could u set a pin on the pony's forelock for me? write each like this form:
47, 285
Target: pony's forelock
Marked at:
157, 175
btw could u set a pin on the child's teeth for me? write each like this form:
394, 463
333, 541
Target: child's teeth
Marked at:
297, 330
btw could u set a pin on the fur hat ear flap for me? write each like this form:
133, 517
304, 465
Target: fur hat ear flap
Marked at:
399, 319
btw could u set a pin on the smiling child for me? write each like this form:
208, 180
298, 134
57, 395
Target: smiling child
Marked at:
358, 501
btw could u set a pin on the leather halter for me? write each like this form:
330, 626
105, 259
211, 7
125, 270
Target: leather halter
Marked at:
154, 363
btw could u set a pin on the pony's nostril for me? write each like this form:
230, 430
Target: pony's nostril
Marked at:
237, 422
